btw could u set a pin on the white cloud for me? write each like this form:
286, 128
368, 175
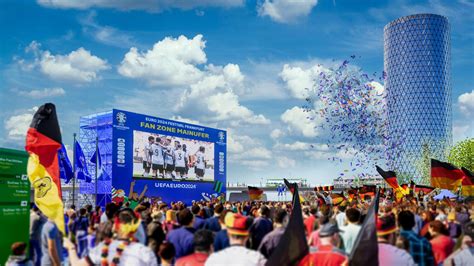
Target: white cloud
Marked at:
147, 5
286, 11
325, 154
17, 125
105, 34
170, 62
301, 146
185, 120
466, 102
79, 65
298, 122
276, 133
208, 91
254, 164
285, 162
42, 93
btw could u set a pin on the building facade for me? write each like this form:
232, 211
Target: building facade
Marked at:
417, 63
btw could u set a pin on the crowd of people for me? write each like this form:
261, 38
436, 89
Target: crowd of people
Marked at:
410, 232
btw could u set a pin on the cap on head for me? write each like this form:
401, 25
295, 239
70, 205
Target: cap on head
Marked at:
329, 229
237, 224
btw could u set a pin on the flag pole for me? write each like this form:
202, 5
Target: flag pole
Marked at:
74, 170
96, 166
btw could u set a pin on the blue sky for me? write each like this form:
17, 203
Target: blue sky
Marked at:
227, 69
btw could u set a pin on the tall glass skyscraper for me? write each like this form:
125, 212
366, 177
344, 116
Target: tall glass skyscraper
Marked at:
417, 62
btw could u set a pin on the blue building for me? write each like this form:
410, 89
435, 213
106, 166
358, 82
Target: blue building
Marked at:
417, 63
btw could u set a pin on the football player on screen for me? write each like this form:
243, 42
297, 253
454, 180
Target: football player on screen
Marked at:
169, 162
200, 164
180, 161
148, 156
157, 159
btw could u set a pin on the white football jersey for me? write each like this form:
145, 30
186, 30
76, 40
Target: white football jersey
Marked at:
179, 157
200, 160
169, 157
147, 150
157, 157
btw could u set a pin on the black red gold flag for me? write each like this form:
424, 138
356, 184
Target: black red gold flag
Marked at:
255, 193
43, 140
467, 188
445, 175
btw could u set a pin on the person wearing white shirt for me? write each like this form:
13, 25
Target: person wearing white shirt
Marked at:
133, 253
351, 230
237, 254
389, 254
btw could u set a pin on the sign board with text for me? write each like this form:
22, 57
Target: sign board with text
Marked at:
14, 200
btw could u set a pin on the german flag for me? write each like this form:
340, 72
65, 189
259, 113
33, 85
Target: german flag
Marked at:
43, 140
467, 188
337, 199
445, 175
419, 188
367, 190
352, 193
391, 178
255, 193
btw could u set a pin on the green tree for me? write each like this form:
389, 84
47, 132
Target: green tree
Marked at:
462, 154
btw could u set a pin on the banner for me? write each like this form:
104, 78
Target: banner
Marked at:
175, 160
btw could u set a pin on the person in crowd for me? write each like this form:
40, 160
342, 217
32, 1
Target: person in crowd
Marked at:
163, 207
171, 221
340, 215
389, 254
441, 243
199, 220
18, 255
351, 230
155, 233
71, 225
465, 254
91, 236
271, 240
213, 222
462, 215
261, 226
133, 198
427, 217
441, 214
182, 238
37, 221
238, 231
81, 226
310, 222
221, 240
167, 253
203, 245
95, 216
313, 240
326, 253
419, 247
122, 249
454, 227
51, 244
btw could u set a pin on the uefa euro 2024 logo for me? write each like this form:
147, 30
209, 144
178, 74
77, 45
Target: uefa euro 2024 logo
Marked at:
121, 118
221, 136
